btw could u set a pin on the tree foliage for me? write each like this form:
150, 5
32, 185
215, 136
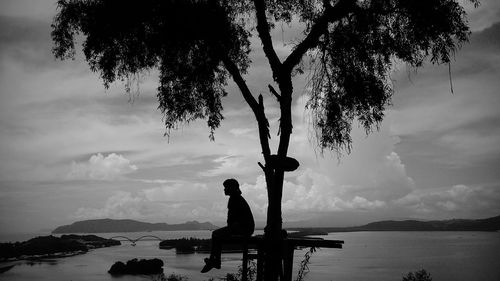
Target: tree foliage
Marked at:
354, 58
185, 40
352, 44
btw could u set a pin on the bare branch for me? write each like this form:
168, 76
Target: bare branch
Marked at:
262, 166
265, 37
278, 97
331, 14
242, 85
264, 120
257, 108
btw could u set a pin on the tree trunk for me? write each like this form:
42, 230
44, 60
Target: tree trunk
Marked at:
273, 264
274, 173
273, 231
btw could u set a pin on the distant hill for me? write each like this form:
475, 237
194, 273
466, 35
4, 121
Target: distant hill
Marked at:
488, 224
110, 225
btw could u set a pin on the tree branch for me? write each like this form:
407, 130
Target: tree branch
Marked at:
257, 107
265, 37
242, 85
265, 122
262, 166
273, 91
331, 14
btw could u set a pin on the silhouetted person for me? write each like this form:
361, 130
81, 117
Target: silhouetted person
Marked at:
239, 222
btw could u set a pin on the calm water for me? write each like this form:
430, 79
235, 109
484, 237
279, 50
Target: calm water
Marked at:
457, 256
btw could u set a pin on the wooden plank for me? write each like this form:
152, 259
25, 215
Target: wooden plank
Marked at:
257, 242
254, 242
316, 243
242, 240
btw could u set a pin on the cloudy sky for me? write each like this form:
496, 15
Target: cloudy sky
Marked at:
71, 150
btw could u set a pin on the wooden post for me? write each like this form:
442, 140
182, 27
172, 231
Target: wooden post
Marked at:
288, 260
260, 263
244, 269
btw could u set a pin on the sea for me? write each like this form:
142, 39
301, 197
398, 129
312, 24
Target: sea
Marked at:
377, 256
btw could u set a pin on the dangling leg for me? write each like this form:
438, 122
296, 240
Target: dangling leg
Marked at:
215, 254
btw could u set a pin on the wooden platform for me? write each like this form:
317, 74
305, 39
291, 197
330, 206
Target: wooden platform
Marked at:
256, 243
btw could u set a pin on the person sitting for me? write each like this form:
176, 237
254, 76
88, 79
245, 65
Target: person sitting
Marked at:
239, 222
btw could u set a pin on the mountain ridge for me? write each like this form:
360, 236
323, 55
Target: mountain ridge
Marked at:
127, 225
487, 224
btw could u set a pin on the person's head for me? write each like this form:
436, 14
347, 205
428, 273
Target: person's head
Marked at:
231, 187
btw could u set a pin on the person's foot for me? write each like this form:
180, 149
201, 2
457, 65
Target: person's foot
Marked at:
209, 264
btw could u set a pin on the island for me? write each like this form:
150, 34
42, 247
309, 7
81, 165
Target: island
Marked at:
186, 245
125, 225
137, 267
53, 247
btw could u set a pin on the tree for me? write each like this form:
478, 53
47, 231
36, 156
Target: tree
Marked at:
197, 45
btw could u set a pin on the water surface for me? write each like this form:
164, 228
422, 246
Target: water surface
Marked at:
448, 256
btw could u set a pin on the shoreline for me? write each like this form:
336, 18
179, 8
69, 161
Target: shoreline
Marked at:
52, 247
42, 257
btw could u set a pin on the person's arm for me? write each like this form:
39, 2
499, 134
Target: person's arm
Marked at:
230, 211
234, 213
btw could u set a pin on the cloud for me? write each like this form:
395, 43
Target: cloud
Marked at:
120, 206
244, 132
487, 39
447, 139
156, 181
100, 167
459, 201
39, 9
228, 165
482, 17
27, 41
388, 179
181, 191
309, 192
15, 31
143, 206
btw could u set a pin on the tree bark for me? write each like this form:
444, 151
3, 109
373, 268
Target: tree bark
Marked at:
273, 233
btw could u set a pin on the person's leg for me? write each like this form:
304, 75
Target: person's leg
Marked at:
217, 236
215, 254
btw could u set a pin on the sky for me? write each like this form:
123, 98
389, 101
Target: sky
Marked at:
71, 150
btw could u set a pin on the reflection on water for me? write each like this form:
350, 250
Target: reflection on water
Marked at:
457, 256
42, 261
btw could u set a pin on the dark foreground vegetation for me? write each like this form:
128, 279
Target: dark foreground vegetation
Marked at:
135, 267
51, 246
419, 275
